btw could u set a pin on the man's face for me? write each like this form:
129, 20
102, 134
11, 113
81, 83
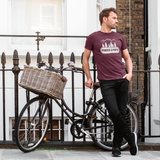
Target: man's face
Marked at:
112, 21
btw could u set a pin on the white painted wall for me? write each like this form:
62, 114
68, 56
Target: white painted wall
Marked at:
154, 50
79, 18
3, 26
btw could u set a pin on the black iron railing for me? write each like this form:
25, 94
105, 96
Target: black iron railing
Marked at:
41, 37
136, 95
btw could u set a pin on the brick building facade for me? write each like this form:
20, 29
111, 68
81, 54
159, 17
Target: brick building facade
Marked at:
131, 25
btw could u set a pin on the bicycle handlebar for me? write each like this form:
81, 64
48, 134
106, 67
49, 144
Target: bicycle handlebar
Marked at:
58, 70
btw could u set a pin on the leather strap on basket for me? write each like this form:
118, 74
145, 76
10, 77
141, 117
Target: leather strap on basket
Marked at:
64, 79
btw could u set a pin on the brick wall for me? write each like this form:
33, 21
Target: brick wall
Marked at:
130, 24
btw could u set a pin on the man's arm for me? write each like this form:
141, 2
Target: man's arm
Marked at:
128, 62
86, 55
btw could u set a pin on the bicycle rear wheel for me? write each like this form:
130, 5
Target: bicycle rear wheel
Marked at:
32, 124
102, 128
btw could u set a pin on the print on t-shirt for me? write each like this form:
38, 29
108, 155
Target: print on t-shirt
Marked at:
109, 46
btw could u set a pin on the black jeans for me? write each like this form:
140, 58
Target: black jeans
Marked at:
115, 94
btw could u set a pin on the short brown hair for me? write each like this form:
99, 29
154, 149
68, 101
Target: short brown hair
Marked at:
105, 13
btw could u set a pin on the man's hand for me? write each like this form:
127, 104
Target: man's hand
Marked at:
129, 64
86, 55
89, 83
127, 76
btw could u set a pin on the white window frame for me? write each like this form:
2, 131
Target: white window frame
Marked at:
59, 129
23, 49
98, 10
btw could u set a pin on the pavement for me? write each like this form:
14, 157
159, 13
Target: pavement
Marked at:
16, 154
76, 151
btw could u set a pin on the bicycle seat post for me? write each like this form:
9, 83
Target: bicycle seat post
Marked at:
96, 85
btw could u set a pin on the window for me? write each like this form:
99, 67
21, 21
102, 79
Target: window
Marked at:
30, 16
56, 129
98, 10
98, 2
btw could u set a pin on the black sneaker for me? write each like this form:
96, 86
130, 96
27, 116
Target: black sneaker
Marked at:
116, 152
133, 148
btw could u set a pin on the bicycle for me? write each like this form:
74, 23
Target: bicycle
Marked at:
95, 123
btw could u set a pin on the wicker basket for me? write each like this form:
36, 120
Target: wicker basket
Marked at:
43, 81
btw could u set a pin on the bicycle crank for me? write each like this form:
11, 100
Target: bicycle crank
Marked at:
77, 131
82, 130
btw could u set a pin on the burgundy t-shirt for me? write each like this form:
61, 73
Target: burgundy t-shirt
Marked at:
106, 48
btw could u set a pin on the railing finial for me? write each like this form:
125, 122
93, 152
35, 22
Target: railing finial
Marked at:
50, 59
61, 59
28, 58
15, 58
39, 57
72, 58
3, 59
82, 58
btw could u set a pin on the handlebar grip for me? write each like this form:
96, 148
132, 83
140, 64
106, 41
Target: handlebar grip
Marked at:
79, 69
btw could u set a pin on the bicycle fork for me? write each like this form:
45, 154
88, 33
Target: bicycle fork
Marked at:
41, 111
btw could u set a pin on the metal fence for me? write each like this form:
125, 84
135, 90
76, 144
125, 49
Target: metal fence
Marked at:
41, 37
146, 103
134, 96
16, 70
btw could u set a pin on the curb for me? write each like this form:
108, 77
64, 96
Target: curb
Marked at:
89, 146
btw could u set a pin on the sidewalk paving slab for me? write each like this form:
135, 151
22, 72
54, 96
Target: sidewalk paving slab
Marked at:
76, 155
142, 155
16, 154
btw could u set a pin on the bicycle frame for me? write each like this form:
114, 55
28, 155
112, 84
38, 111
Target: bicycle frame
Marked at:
94, 123
68, 111
63, 104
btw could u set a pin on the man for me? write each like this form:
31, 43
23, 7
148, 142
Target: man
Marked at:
108, 48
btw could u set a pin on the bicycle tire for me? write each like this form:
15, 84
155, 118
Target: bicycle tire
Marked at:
30, 128
103, 128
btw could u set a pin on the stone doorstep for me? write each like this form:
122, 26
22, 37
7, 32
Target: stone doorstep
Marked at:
77, 146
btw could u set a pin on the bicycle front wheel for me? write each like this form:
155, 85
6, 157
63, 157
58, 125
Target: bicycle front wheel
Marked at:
32, 124
102, 128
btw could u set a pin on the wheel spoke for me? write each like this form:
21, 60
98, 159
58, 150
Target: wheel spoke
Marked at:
102, 128
32, 124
